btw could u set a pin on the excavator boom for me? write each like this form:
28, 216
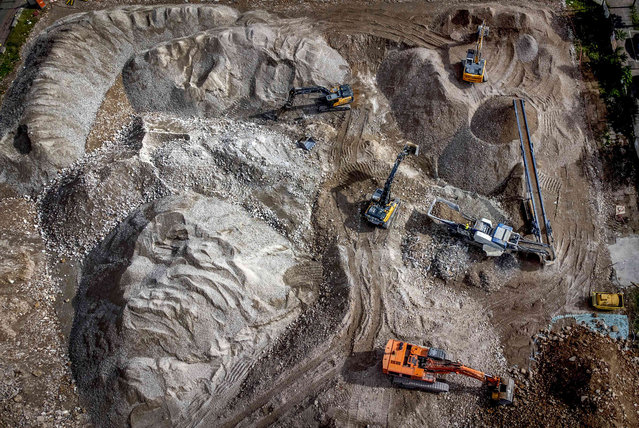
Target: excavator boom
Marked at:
417, 367
382, 208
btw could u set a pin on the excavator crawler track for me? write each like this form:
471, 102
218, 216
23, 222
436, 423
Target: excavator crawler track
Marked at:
436, 387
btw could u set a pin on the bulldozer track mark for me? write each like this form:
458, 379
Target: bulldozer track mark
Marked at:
386, 26
549, 183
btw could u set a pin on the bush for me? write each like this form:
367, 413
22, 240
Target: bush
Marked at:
620, 35
593, 30
635, 18
16, 39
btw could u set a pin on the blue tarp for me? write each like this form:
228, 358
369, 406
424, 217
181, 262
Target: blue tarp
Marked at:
594, 323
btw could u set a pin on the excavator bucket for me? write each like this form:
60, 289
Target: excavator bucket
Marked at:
504, 392
412, 149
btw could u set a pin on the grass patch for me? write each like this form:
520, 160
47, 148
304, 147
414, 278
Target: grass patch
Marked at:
635, 17
632, 299
593, 31
16, 39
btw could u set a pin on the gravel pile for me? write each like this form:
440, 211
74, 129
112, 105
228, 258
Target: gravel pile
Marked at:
495, 121
207, 74
526, 48
578, 378
440, 255
53, 90
199, 74
173, 307
428, 110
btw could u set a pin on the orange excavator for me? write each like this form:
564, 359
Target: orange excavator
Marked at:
417, 367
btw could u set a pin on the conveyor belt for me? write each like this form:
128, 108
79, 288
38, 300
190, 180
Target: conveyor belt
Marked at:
541, 229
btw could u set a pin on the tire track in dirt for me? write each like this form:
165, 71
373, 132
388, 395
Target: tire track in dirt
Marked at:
397, 27
362, 321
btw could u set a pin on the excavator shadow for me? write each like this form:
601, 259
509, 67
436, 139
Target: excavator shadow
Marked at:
350, 182
365, 368
419, 222
292, 113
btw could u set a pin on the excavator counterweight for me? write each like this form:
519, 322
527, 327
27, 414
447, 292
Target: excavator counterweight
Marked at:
382, 209
417, 367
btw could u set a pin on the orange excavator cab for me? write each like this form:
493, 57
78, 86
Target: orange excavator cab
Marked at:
418, 367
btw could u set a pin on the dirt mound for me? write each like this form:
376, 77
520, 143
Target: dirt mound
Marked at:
526, 48
247, 164
53, 90
174, 306
207, 74
428, 108
579, 378
495, 121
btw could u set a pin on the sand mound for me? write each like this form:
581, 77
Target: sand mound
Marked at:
206, 74
249, 165
495, 121
428, 108
526, 48
174, 306
53, 90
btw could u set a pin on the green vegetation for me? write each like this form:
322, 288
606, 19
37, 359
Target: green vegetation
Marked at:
633, 308
635, 18
16, 39
577, 5
621, 35
593, 32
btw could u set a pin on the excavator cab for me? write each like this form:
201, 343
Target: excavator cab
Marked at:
382, 208
339, 96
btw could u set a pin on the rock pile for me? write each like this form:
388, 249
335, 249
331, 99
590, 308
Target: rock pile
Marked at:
173, 307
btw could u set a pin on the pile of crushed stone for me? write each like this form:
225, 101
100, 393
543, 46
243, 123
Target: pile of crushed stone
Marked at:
253, 166
213, 81
440, 255
578, 378
429, 110
173, 307
527, 48
187, 60
495, 121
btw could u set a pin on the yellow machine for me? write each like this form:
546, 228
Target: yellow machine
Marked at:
382, 209
474, 65
334, 99
607, 301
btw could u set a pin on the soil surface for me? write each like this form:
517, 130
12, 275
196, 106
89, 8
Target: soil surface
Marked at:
105, 157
